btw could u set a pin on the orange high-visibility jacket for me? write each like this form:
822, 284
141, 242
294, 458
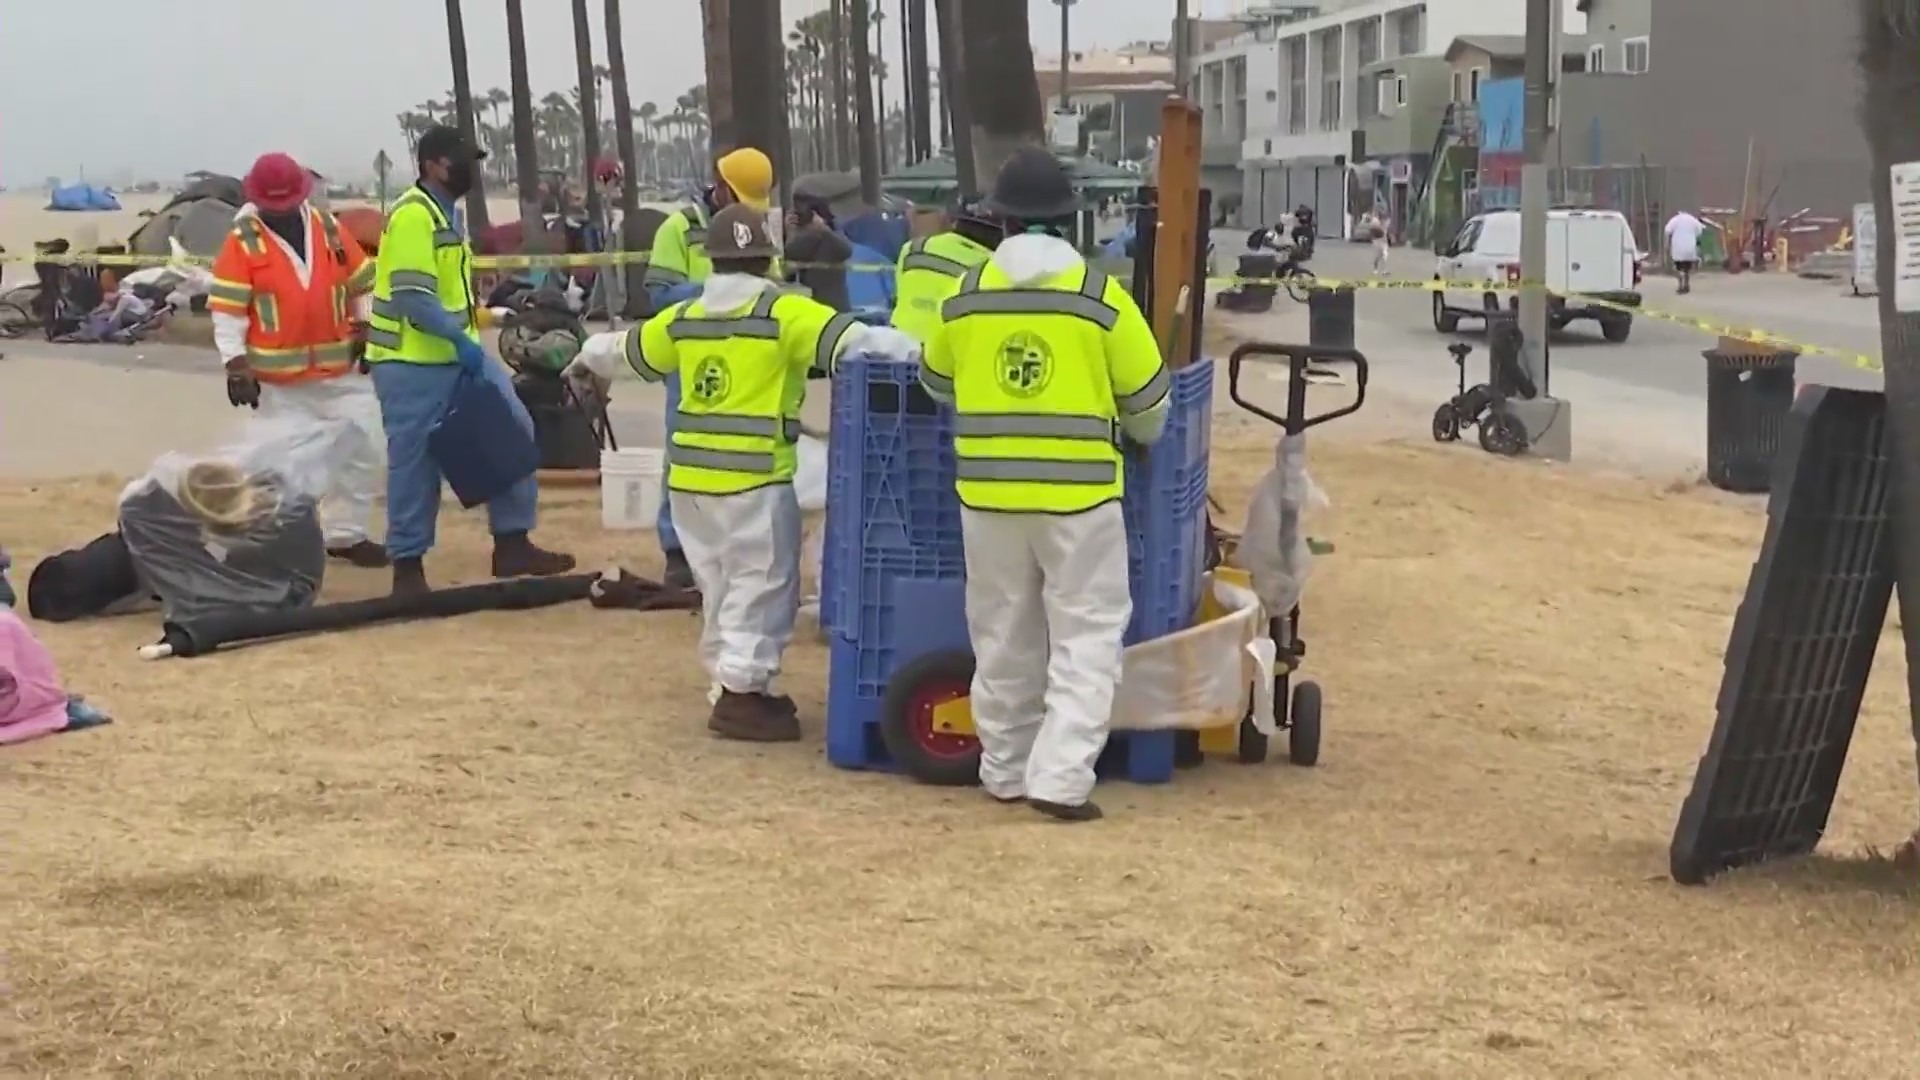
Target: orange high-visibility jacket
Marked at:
296, 331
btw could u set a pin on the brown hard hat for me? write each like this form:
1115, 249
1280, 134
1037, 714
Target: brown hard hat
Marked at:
739, 232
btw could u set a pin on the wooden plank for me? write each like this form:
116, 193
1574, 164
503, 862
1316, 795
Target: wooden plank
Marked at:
1175, 252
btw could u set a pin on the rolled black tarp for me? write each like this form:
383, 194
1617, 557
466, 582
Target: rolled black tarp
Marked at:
207, 632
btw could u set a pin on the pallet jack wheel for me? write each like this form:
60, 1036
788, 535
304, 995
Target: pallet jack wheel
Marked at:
1303, 725
907, 721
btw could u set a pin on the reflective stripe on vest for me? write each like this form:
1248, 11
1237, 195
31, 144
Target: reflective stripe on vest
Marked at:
294, 365
254, 244
740, 440
1050, 449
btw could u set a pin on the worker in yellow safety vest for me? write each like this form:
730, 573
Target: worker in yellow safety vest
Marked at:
423, 336
930, 268
1049, 364
743, 350
677, 270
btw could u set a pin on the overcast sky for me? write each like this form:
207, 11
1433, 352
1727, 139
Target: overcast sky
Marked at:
113, 86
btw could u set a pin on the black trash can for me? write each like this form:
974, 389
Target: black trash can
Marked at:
1330, 317
562, 428
1749, 395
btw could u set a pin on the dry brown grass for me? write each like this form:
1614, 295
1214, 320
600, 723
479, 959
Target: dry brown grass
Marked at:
505, 847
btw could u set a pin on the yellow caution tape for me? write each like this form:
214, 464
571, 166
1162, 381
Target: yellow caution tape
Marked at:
1753, 335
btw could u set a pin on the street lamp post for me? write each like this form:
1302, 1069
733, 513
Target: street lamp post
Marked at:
1066, 57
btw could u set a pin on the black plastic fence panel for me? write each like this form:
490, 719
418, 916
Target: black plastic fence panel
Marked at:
1802, 644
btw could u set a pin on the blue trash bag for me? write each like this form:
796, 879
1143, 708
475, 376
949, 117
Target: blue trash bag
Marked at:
480, 446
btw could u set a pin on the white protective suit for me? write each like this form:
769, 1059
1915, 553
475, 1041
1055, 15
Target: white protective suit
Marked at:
744, 549
356, 457
1047, 610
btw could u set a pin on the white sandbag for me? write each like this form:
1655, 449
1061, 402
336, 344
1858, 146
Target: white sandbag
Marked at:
1200, 677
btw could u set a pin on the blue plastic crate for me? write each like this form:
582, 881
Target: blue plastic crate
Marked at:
1166, 511
890, 497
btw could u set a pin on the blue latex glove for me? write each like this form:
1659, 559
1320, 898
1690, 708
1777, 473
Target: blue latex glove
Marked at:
473, 358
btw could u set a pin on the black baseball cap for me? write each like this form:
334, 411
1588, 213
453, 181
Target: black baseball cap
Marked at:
441, 141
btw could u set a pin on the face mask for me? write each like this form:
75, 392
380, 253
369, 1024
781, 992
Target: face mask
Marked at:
459, 178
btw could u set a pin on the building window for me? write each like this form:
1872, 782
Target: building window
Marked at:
1474, 77
1459, 86
1297, 85
1634, 51
1399, 90
1382, 94
1330, 80
1597, 59
1411, 30
1366, 42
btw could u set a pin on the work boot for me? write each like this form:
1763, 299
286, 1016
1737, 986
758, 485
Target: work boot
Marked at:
364, 554
410, 578
516, 556
752, 718
678, 575
1086, 811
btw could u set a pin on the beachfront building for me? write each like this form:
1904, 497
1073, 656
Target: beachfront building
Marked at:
1285, 100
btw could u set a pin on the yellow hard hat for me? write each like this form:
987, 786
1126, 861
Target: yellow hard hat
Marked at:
749, 174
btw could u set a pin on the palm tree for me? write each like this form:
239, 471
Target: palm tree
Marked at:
1002, 91
499, 146
1890, 63
622, 112
647, 115
526, 158
589, 95
869, 145
463, 112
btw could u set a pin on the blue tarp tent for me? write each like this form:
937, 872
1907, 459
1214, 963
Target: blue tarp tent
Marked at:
82, 197
870, 292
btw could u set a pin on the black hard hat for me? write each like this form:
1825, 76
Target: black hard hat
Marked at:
1033, 186
442, 141
969, 208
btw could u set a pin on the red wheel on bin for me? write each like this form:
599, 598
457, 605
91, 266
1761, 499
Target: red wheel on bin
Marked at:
907, 719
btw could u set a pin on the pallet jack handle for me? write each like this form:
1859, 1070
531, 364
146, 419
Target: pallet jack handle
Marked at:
1299, 358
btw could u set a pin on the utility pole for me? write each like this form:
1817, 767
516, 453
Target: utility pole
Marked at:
1066, 54
1180, 48
1549, 422
869, 145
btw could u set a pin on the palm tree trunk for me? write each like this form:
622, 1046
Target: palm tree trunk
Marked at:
589, 126
622, 112
919, 92
526, 152
837, 69
863, 104
463, 110
1002, 92
958, 114
1890, 63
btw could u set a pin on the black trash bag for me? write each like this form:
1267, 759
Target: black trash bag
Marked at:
210, 537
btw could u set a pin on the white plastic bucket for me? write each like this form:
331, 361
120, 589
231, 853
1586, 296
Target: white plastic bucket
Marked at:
631, 487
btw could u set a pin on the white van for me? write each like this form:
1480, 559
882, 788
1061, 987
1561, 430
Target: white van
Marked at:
1591, 256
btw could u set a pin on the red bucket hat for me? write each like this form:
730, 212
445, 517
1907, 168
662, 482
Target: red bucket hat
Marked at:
277, 183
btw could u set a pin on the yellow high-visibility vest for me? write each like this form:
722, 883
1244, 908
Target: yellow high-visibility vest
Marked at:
743, 379
420, 250
1039, 375
928, 272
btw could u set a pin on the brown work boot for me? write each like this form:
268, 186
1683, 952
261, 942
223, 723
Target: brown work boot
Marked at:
364, 554
516, 556
410, 578
752, 718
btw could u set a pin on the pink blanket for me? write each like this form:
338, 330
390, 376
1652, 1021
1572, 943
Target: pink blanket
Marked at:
32, 702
